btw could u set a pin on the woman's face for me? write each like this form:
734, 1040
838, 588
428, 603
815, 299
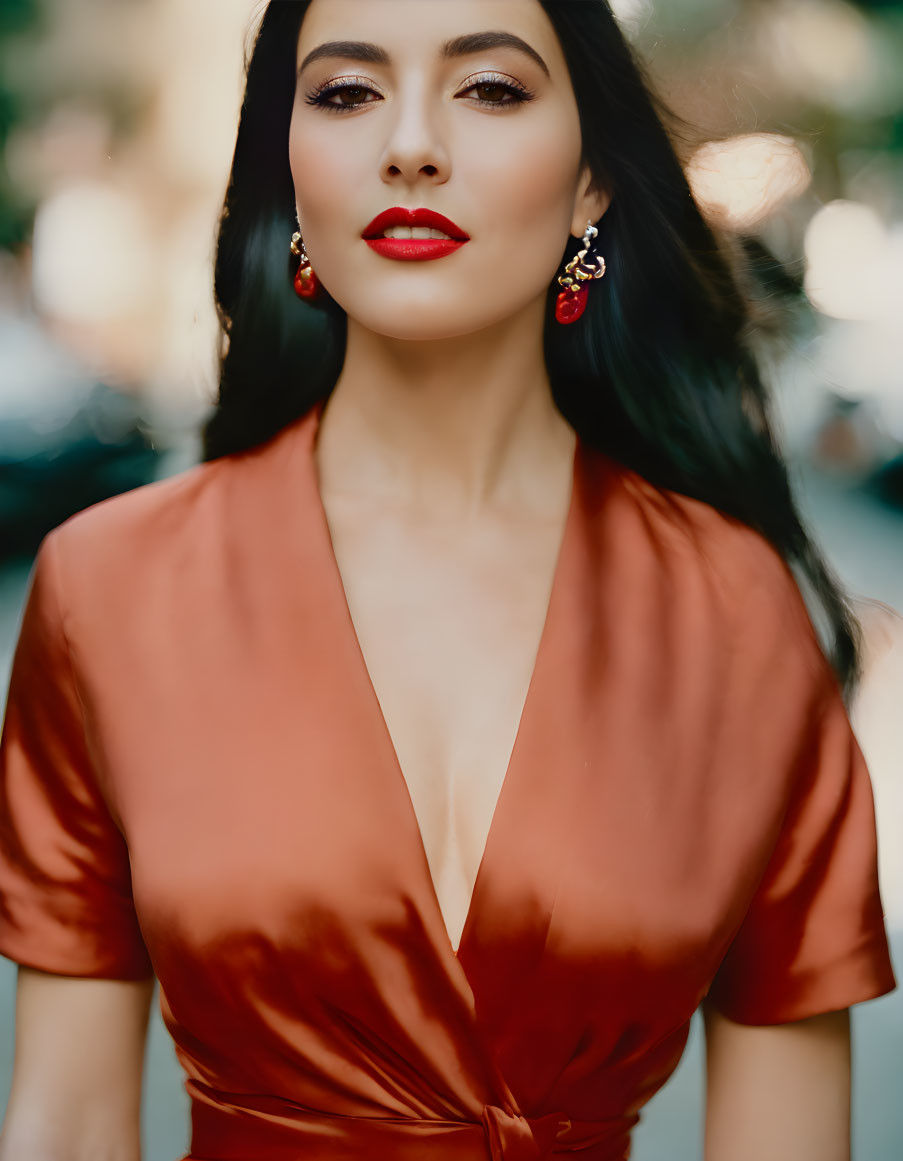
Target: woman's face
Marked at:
419, 128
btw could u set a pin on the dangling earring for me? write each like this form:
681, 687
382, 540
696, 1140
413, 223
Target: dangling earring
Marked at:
571, 301
306, 284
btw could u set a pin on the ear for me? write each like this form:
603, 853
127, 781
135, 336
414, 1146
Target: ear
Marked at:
592, 203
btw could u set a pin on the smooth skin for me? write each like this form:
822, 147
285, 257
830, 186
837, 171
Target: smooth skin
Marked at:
441, 426
444, 466
77, 1071
443, 407
780, 1092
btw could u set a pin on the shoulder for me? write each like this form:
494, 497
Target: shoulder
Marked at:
148, 517
142, 508
696, 534
185, 513
167, 549
721, 574
114, 554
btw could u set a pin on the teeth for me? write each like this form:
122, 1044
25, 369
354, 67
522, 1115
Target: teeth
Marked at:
415, 232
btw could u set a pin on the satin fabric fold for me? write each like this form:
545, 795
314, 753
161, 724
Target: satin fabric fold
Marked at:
196, 780
228, 1132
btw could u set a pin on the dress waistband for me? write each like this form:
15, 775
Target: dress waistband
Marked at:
274, 1130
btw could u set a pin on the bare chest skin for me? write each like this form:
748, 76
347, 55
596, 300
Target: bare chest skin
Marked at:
449, 619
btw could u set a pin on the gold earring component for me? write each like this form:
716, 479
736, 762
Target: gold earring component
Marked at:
572, 299
306, 285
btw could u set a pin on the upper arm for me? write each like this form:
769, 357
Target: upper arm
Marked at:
811, 936
66, 903
779, 1091
811, 941
77, 1071
67, 914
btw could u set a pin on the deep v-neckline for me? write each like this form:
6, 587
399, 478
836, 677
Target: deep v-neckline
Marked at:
337, 588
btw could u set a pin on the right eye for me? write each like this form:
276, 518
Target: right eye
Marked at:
320, 97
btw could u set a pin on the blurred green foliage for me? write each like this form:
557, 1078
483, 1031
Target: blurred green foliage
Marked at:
17, 17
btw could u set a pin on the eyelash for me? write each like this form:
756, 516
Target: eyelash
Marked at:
519, 94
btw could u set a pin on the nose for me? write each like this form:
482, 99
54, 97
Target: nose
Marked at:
416, 143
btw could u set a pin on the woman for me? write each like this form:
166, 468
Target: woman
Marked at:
458, 491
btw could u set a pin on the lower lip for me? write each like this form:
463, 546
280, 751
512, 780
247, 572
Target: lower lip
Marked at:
415, 249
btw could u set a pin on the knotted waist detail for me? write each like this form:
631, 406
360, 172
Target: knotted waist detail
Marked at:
269, 1129
518, 1138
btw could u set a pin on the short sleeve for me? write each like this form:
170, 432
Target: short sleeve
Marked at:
814, 938
65, 878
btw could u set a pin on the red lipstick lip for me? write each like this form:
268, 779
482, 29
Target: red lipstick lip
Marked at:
399, 216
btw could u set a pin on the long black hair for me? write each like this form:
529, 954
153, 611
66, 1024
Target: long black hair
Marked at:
661, 373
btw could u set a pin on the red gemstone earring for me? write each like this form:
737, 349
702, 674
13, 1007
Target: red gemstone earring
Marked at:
306, 284
571, 301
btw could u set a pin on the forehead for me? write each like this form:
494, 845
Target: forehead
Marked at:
415, 30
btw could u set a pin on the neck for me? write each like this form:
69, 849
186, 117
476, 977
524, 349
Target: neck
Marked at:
453, 428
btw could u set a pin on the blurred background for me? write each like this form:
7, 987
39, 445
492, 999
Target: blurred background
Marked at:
117, 124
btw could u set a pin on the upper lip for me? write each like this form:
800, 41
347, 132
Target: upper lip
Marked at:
399, 216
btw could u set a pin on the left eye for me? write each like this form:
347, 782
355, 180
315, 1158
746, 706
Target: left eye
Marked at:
517, 96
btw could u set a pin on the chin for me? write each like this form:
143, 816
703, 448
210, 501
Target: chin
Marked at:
416, 323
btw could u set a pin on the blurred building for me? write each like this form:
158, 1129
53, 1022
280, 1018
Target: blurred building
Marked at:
793, 112
125, 153
122, 117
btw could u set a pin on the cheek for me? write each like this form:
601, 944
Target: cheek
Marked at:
326, 168
526, 181
513, 179
532, 173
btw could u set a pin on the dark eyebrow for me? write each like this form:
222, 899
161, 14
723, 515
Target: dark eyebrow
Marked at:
459, 46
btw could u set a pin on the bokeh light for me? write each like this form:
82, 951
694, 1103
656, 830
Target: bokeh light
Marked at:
742, 181
854, 263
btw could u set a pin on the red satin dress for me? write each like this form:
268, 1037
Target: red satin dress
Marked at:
197, 782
